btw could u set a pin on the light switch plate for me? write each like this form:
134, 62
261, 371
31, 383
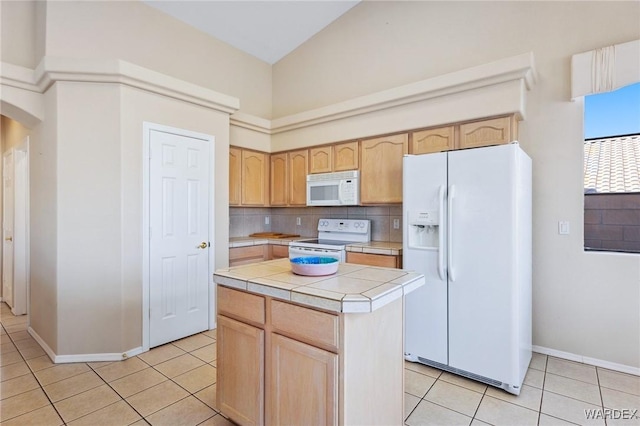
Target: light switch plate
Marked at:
298, 222
396, 223
266, 220
563, 227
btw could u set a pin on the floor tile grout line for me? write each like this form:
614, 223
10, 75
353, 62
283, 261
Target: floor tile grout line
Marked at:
544, 375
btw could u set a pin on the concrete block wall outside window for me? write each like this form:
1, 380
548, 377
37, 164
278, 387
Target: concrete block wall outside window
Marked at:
612, 222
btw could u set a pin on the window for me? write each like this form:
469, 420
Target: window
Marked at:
612, 170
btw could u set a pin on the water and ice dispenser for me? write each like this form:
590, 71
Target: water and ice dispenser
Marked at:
423, 229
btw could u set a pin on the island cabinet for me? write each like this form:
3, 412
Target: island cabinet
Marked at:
381, 168
248, 177
284, 362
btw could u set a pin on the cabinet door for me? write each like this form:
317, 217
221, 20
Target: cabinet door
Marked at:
244, 255
345, 156
387, 261
298, 170
381, 169
254, 178
279, 252
300, 369
494, 131
235, 161
432, 140
240, 369
320, 160
278, 187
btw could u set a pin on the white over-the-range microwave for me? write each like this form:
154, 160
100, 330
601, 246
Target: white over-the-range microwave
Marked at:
333, 189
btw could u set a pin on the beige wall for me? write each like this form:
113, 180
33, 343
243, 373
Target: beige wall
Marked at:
137, 33
18, 35
586, 304
99, 181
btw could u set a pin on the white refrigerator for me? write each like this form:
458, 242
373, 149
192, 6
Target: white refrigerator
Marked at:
467, 228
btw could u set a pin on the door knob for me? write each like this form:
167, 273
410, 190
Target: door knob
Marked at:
8, 239
203, 245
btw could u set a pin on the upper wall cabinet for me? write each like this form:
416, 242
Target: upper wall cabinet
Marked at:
289, 178
345, 156
334, 158
432, 140
494, 131
298, 170
321, 159
235, 179
279, 171
381, 168
248, 177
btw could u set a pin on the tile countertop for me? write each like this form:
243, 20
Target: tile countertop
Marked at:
372, 247
353, 289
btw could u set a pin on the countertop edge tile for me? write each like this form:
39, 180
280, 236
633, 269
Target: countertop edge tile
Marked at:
231, 282
255, 278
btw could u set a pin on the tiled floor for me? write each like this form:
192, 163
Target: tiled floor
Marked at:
175, 385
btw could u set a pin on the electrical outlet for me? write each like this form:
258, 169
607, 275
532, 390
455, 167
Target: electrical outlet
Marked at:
266, 220
396, 223
298, 221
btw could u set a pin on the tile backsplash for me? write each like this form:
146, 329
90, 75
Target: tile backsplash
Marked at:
244, 221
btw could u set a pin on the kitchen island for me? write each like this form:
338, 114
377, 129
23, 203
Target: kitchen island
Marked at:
311, 350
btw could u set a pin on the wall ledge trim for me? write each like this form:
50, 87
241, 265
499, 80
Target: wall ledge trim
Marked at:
588, 360
53, 69
251, 122
520, 67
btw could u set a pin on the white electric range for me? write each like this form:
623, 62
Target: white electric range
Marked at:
333, 237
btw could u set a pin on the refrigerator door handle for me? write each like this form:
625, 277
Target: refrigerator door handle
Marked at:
441, 234
451, 194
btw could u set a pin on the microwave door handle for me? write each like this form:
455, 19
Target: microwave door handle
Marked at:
341, 191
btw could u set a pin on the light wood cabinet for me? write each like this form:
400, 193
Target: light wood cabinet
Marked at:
334, 158
432, 140
387, 261
255, 178
244, 255
289, 178
381, 168
235, 175
301, 369
345, 156
298, 171
278, 252
248, 177
494, 131
308, 376
321, 159
278, 182
240, 390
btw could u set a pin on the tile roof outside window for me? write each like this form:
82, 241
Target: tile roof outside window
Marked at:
612, 164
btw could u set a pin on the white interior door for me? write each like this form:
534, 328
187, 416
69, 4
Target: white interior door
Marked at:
21, 229
179, 236
7, 227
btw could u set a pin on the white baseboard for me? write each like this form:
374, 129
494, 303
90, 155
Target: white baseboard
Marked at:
62, 359
587, 360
